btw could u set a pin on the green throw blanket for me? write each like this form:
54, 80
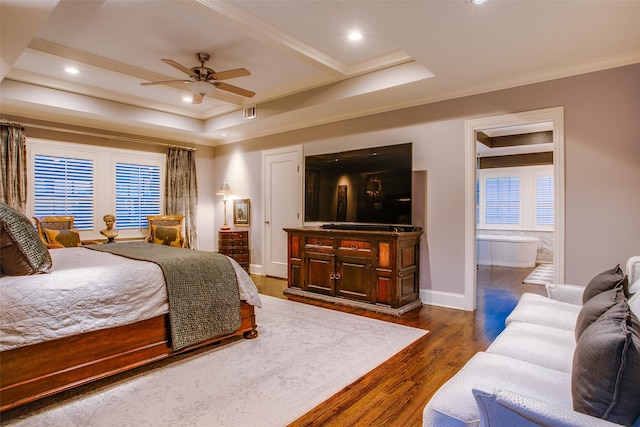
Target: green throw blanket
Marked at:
204, 299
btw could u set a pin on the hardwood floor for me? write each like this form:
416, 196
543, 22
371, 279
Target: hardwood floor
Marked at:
395, 393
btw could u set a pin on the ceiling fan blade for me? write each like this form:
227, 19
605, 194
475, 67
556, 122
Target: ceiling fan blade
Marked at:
230, 74
165, 82
180, 67
196, 98
234, 89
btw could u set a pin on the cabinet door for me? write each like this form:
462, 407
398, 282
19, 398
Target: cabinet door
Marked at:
319, 273
353, 277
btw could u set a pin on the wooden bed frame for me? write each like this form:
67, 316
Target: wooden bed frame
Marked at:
38, 370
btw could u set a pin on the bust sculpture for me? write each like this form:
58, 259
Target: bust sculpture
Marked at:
110, 232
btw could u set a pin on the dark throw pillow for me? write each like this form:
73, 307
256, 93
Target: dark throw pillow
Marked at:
21, 250
169, 235
604, 281
596, 307
605, 380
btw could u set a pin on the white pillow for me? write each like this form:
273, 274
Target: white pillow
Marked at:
634, 288
634, 304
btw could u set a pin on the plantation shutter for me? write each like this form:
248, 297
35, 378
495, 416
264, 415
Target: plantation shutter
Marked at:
544, 200
137, 194
64, 186
502, 205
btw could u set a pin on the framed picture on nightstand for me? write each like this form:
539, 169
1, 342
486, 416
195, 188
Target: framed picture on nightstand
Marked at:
241, 211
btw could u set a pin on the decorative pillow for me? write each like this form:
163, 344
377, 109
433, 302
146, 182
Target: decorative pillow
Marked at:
604, 281
605, 380
634, 304
169, 235
596, 307
66, 238
21, 250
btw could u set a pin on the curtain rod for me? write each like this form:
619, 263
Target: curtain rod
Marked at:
97, 134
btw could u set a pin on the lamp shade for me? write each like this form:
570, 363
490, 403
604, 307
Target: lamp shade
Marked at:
224, 190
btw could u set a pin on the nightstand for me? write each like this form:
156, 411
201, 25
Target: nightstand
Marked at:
235, 244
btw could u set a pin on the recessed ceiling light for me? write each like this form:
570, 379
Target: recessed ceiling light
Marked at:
479, 1
187, 99
71, 70
354, 35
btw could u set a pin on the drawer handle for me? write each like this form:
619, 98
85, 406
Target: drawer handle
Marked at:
354, 246
334, 276
400, 273
318, 243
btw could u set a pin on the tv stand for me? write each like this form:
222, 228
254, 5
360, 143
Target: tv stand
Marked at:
373, 269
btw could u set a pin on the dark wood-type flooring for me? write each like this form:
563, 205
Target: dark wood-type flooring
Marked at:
396, 392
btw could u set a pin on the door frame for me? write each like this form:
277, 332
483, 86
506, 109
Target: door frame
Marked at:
555, 115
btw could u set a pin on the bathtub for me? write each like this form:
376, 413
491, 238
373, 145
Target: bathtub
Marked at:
507, 251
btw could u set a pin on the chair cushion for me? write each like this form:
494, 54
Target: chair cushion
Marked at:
596, 307
170, 235
606, 367
21, 250
66, 238
604, 281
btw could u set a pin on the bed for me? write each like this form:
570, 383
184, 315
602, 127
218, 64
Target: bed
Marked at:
88, 314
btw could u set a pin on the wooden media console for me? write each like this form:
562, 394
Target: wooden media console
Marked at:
368, 268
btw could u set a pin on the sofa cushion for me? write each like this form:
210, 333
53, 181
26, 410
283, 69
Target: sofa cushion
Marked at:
454, 405
604, 281
21, 250
606, 367
596, 307
538, 309
541, 345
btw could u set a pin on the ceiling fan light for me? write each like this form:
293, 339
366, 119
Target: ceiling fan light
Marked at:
202, 88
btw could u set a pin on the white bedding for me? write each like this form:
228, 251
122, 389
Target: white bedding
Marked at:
86, 290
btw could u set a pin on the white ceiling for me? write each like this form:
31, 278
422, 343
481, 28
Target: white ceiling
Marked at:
304, 71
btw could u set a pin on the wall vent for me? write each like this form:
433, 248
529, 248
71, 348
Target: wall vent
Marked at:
249, 113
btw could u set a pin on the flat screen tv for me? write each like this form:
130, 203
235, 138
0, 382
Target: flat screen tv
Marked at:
366, 186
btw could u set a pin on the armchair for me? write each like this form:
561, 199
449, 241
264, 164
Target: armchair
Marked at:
166, 230
58, 232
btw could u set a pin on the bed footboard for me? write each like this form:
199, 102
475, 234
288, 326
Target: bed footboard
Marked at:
35, 371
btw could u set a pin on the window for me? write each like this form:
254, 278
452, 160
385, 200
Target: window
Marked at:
64, 186
515, 198
137, 194
91, 181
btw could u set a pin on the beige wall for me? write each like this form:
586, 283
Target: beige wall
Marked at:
602, 165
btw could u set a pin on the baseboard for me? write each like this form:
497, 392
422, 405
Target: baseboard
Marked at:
256, 269
442, 299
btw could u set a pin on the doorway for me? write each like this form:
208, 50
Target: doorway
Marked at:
552, 116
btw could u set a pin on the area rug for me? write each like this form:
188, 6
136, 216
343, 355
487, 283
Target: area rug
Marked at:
302, 356
541, 275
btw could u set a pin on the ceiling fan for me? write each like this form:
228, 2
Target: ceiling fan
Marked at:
204, 80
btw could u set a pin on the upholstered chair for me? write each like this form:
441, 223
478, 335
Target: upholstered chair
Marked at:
57, 232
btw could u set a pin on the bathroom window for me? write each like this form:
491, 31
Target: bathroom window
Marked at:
515, 198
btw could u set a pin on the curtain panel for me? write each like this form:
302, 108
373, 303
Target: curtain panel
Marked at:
181, 194
13, 159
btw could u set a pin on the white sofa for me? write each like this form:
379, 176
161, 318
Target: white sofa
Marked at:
524, 378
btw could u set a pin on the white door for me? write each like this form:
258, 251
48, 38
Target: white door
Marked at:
283, 204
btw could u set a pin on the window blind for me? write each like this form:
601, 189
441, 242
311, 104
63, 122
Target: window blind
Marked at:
502, 204
544, 200
64, 186
137, 194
